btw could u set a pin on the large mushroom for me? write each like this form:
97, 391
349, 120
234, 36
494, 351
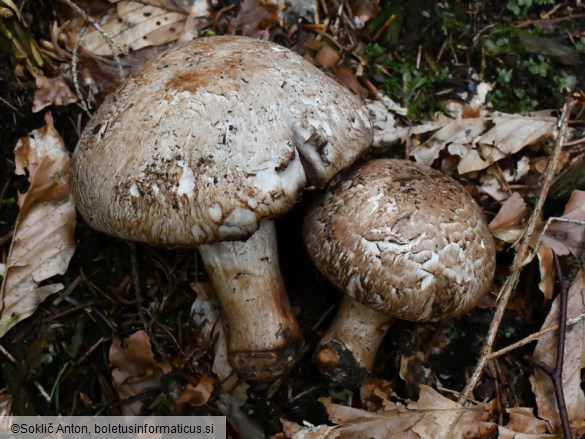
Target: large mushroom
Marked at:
202, 148
402, 240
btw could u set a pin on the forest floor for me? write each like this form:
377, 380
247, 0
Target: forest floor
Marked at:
111, 330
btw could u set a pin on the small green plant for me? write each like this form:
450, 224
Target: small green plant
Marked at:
521, 8
419, 59
406, 82
523, 80
374, 51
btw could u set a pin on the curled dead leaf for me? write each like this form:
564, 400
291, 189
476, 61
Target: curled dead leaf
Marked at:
198, 395
569, 237
52, 91
256, 17
43, 241
134, 368
481, 141
327, 56
507, 225
563, 236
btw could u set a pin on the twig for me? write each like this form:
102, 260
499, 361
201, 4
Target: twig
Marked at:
116, 49
84, 357
13, 108
556, 374
523, 254
456, 393
139, 293
90, 310
323, 317
137, 280
7, 237
36, 383
80, 307
74, 57
549, 222
533, 337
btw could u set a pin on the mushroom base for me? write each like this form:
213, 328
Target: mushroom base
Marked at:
264, 339
345, 355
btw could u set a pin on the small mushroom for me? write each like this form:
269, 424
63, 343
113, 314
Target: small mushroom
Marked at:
202, 148
402, 240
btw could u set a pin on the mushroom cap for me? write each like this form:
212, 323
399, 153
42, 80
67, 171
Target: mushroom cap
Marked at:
404, 239
210, 138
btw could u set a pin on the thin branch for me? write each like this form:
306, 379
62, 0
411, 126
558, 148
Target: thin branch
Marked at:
557, 375
549, 222
137, 281
74, 57
523, 255
111, 42
533, 337
38, 385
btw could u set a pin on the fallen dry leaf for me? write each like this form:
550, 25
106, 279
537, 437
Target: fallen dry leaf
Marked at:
431, 417
477, 141
456, 135
327, 56
523, 424
562, 238
374, 392
135, 25
256, 17
484, 140
348, 77
574, 362
508, 225
134, 368
446, 418
546, 269
198, 395
43, 241
364, 10
293, 430
496, 179
52, 91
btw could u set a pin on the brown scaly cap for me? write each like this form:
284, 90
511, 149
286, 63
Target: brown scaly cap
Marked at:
404, 240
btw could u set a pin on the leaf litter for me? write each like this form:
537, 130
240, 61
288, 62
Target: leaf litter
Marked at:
134, 368
431, 416
135, 25
43, 243
574, 362
485, 146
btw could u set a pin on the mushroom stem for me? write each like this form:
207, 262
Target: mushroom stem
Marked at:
346, 353
264, 339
